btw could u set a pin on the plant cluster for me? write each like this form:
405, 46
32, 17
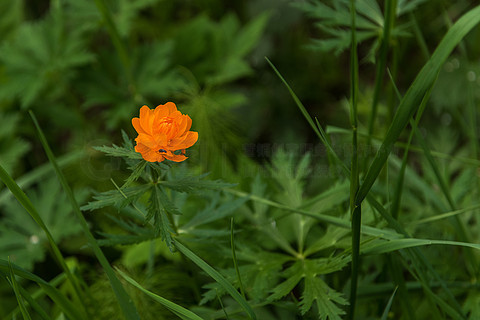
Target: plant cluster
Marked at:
227, 204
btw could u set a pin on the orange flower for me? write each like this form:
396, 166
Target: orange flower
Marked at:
162, 132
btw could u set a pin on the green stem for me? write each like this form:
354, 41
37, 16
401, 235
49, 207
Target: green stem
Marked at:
355, 209
390, 8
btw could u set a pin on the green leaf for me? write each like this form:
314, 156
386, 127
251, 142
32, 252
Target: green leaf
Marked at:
214, 211
16, 290
116, 198
316, 290
116, 151
41, 60
193, 183
158, 212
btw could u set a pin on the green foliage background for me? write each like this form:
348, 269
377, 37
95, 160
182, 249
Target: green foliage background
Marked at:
258, 182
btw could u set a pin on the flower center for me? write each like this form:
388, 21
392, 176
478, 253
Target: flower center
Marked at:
168, 127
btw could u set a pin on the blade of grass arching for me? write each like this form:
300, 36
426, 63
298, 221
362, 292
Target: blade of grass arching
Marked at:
445, 215
175, 308
32, 211
410, 102
18, 295
367, 230
234, 257
217, 277
399, 244
355, 210
122, 296
388, 306
381, 63
317, 128
57, 297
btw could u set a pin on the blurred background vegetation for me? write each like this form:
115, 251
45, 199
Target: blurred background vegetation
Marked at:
86, 67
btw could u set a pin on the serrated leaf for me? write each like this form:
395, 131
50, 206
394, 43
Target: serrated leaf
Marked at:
116, 198
316, 290
116, 151
214, 211
194, 183
41, 60
161, 221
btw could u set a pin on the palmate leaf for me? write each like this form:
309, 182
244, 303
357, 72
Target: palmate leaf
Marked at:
116, 151
334, 20
41, 60
187, 183
12, 148
315, 289
214, 211
116, 198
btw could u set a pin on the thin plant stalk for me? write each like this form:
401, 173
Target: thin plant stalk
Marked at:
356, 210
390, 9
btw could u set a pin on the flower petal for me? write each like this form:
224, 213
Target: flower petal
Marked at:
146, 119
160, 112
185, 141
175, 157
138, 127
171, 107
148, 154
184, 125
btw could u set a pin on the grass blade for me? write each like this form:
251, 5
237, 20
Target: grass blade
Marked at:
123, 298
18, 295
234, 257
410, 102
389, 305
217, 277
175, 308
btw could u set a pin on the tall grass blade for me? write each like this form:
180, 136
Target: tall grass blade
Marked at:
355, 211
415, 94
388, 306
123, 298
217, 277
234, 257
175, 308
18, 295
